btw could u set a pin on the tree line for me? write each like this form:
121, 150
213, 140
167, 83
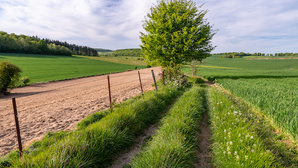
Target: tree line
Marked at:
12, 43
241, 54
133, 52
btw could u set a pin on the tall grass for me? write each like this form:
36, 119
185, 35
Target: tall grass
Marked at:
235, 142
277, 98
95, 145
173, 144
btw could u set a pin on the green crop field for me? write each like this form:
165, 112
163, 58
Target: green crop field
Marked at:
269, 85
42, 68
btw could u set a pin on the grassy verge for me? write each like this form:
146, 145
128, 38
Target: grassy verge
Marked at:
235, 141
95, 145
173, 144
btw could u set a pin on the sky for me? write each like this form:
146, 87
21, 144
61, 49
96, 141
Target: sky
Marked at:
267, 26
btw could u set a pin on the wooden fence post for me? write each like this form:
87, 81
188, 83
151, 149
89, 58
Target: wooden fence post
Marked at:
110, 97
17, 126
141, 84
163, 77
154, 80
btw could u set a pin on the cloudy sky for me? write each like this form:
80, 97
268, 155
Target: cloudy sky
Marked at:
267, 26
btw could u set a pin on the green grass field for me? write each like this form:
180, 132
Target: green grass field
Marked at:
42, 68
269, 85
137, 61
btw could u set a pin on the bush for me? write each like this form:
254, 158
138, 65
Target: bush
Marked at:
9, 76
24, 81
174, 76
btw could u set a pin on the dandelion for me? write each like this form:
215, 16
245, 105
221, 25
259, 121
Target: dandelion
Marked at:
258, 121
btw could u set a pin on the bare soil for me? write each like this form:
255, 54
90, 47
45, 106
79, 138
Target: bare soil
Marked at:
204, 155
61, 105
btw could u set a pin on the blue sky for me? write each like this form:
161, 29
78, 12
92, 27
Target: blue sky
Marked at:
267, 26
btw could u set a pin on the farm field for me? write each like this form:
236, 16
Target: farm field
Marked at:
43, 68
269, 85
122, 60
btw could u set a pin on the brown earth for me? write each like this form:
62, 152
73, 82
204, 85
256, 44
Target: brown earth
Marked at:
61, 105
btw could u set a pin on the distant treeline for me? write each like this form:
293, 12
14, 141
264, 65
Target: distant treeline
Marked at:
242, 54
12, 43
134, 52
102, 50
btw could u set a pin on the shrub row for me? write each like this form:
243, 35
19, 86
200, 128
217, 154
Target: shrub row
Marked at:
173, 144
97, 143
235, 142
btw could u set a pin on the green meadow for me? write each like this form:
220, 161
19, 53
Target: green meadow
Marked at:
269, 85
43, 68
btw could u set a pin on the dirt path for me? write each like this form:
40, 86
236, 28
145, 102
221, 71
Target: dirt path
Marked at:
61, 105
125, 157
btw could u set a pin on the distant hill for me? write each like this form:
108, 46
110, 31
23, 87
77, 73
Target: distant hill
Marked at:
12, 43
102, 50
132, 52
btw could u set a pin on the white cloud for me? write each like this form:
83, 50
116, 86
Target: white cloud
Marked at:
249, 26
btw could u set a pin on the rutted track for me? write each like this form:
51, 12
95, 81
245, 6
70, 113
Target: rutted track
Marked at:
60, 105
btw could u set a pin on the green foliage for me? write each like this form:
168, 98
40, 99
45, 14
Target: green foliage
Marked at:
42, 68
173, 144
9, 76
24, 81
134, 52
235, 142
176, 32
12, 43
230, 56
174, 76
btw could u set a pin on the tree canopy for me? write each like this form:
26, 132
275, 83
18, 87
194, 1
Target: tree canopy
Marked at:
176, 31
13, 43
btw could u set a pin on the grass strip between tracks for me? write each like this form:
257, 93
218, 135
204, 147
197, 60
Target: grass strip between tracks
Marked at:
98, 143
173, 145
235, 141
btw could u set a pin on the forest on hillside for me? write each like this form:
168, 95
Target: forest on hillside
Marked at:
12, 43
133, 52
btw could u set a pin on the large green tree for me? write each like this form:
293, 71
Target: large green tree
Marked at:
176, 31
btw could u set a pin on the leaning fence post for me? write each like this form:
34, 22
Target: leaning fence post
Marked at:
154, 80
17, 125
141, 84
110, 97
163, 77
